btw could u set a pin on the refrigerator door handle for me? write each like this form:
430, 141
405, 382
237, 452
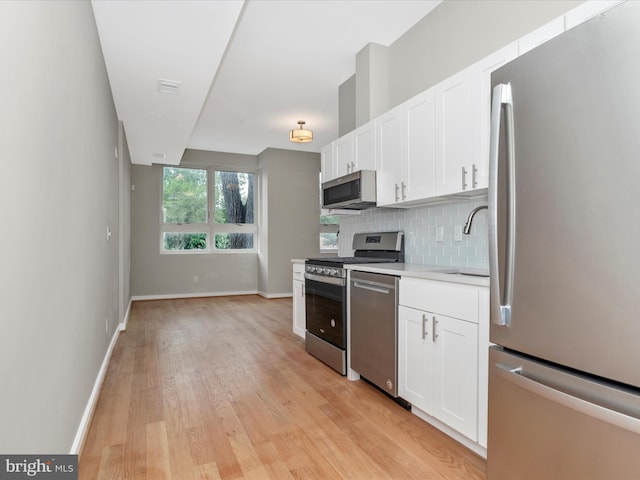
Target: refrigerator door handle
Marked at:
517, 376
502, 295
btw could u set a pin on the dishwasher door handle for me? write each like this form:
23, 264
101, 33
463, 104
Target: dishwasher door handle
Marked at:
373, 286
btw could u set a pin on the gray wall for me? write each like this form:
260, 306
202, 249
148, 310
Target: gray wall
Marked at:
156, 274
453, 36
124, 243
347, 106
290, 215
458, 33
59, 277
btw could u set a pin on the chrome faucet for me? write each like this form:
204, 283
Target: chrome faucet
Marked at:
467, 226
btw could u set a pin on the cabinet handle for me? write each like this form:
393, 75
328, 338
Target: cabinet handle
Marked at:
424, 325
353, 167
404, 187
302, 290
397, 196
474, 172
348, 168
435, 335
464, 178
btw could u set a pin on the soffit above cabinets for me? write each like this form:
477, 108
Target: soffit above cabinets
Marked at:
236, 76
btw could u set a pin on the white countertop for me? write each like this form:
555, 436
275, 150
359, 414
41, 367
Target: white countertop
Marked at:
468, 276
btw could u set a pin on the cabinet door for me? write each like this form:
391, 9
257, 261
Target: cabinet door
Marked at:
388, 155
454, 133
343, 155
327, 164
414, 357
455, 374
364, 147
419, 154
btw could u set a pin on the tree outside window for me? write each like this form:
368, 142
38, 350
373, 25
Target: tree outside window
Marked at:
186, 206
234, 205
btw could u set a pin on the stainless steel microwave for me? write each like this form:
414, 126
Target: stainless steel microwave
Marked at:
355, 191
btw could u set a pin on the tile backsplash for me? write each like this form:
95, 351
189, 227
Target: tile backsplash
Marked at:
420, 226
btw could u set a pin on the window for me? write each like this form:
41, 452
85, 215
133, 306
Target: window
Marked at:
234, 213
329, 225
194, 220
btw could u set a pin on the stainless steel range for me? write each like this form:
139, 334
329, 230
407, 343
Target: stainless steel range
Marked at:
326, 294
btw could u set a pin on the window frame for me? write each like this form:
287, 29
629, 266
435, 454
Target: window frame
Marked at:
211, 228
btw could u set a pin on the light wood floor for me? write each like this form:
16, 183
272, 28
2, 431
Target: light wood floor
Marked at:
211, 388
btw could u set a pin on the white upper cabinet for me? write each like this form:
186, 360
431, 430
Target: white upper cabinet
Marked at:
454, 133
343, 155
364, 147
354, 151
419, 148
406, 152
388, 156
327, 163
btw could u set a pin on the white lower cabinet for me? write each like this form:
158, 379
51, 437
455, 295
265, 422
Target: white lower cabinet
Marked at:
455, 374
298, 300
415, 363
440, 348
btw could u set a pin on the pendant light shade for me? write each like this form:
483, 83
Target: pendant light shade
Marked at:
301, 135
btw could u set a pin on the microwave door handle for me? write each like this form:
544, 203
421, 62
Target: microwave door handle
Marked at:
502, 295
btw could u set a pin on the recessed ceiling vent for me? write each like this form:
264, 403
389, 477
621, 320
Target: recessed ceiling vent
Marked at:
158, 156
169, 87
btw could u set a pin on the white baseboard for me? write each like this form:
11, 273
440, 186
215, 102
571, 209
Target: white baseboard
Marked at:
83, 428
275, 295
125, 320
170, 296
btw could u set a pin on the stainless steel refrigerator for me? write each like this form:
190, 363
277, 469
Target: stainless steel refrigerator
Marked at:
564, 249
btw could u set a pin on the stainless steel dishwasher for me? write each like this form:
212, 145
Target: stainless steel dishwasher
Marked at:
374, 328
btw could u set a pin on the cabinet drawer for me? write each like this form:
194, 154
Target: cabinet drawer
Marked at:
453, 300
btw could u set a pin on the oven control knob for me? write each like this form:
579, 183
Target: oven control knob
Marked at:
334, 272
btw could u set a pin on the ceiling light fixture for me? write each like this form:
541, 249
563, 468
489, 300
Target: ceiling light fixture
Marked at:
301, 135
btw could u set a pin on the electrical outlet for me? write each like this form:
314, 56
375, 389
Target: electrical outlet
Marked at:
196, 279
457, 233
106, 325
439, 234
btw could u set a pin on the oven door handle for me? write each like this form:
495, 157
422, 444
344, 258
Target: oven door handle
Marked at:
322, 279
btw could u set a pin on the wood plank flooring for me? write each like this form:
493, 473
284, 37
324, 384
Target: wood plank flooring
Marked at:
220, 388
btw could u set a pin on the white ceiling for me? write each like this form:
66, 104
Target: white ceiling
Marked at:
248, 70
